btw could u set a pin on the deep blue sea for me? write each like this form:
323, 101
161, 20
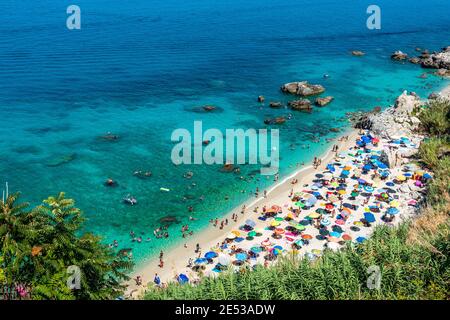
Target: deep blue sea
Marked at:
141, 68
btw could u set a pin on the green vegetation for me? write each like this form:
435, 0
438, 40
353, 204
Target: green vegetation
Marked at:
37, 246
413, 257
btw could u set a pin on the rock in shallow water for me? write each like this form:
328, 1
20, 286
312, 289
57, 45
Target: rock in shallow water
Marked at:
302, 88
321, 102
300, 105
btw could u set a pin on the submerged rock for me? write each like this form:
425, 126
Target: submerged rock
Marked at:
415, 60
358, 53
275, 104
302, 88
169, 219
321, 102
61, 160
110, 137
277, 120
209, 108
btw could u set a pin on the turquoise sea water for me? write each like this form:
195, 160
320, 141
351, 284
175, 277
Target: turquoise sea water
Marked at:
140, 68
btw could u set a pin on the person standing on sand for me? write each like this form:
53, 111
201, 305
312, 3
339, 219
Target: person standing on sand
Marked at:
157, 280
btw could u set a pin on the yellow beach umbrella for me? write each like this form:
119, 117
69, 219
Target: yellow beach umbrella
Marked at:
401, 178
275, 223
394, 203
235, 232
333, 198
342, 191
314, 215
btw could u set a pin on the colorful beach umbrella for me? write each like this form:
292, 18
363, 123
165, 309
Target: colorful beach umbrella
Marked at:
241, 256
369, 217
393, 211
210, 255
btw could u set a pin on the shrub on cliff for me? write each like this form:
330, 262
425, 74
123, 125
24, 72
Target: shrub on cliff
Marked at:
37, 246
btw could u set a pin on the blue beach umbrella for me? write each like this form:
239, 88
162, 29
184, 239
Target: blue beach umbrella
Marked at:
335, 234
368, 189
345, 172
241, 256
367, 167
427, 176
393, 211
200, 261
360, 239
256, 249
381, 165
311, 201
331, 167
369, 217
210, 255
182, 278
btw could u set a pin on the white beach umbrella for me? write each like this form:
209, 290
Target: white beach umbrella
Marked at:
224, 259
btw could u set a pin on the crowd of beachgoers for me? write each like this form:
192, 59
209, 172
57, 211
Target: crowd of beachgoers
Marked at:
365, 181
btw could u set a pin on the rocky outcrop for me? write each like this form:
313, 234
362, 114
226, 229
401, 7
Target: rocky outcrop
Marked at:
399, 55
275, 104
397, 121
436, 60
302, 88
321, 102
300, 105
440, 60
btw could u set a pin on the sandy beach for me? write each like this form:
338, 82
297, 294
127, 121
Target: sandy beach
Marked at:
176, 260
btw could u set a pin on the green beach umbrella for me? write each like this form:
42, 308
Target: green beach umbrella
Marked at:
252, 234
300, 227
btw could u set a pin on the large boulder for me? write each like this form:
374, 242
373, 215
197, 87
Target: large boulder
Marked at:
439, 60
300, 105
397, 121
302, 88
321, 102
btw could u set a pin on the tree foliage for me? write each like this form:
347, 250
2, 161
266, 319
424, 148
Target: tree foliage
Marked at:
38, 245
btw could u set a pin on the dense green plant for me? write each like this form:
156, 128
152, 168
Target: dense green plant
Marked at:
38, 245
435, 117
